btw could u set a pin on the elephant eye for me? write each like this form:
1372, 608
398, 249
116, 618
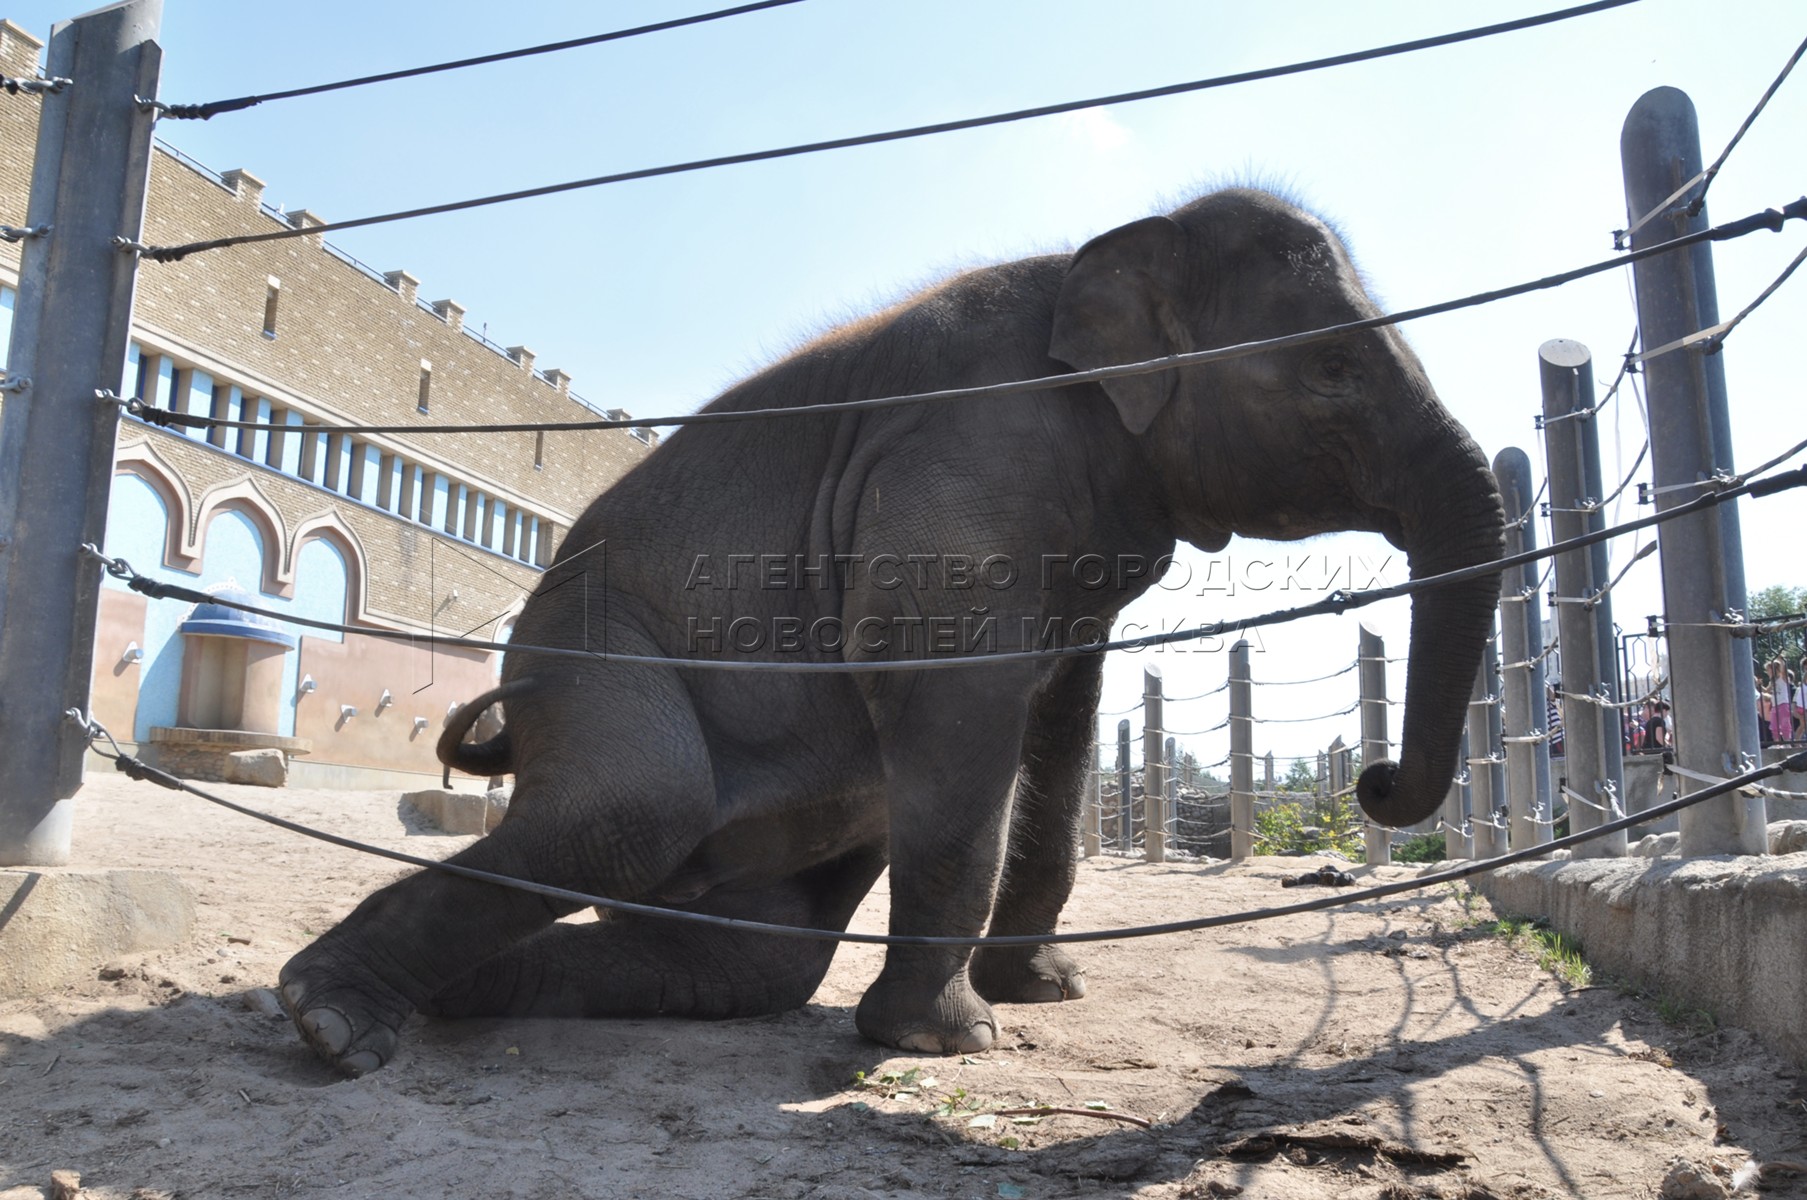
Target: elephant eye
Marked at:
1332, 371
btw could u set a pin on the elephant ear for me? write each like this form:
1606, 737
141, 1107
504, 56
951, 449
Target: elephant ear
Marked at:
1116, 306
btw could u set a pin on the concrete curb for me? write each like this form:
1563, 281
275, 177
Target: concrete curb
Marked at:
1722, 933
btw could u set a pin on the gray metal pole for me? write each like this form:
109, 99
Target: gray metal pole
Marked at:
1154, 768
1523, 710
1242, 755
1089, 816
1457, 840
1487, 761
1173, 789
1715, 713
1592, 738
70, 336
1337, 767
1371, 674
1126, 828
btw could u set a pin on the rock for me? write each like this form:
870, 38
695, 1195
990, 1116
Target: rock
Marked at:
263, 1002
263, 768
65, 1185
1690, 1181
429, 805
452, 812
1787, 837
497, 806
1658, 845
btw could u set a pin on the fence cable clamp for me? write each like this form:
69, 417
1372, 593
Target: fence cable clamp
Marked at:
185, 112
129, 246
14, 383
34, 87
9, 233
152, 415
118, 568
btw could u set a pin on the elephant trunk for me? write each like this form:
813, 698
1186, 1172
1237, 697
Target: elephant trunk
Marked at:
1455, 522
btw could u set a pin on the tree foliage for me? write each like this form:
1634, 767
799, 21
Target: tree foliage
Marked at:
1789, 645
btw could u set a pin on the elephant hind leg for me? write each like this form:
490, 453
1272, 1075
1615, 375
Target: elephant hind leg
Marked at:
642, 966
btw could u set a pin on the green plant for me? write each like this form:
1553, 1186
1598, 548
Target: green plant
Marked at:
1281, 828
1679, 1013
1559, 955
1424, 848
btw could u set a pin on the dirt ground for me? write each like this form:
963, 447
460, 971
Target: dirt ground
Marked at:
1392, 1050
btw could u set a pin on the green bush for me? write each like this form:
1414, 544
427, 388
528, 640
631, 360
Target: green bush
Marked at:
1424, 848
1283, 828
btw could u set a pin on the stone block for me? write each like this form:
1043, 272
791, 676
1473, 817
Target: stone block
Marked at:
58, 924
498, 799
1721, 933
264, 768
464, 812
454, 812
1787, 837
428, 805
1657, 845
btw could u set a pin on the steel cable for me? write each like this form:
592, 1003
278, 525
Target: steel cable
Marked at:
1336, 603
173, 253
203, 112
1770, 219
141, 771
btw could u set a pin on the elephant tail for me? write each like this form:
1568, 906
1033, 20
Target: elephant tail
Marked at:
494, 756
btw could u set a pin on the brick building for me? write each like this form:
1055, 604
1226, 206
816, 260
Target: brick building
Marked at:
428, 533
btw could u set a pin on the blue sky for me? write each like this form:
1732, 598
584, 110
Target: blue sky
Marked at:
1450, 171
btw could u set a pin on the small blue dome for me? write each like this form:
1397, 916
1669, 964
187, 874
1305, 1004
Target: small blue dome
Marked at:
218, 620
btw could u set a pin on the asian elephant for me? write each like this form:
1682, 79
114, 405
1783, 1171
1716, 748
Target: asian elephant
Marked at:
921, 531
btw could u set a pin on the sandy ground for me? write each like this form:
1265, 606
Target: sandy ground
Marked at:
1392, 1050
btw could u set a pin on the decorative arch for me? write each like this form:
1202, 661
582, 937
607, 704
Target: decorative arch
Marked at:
244, 496
330, 527
140, 460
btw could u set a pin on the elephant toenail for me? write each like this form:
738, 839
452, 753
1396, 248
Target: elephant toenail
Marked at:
361, 1063
979, 1037
327, 1028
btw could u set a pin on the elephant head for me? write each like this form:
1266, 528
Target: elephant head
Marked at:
1343, 434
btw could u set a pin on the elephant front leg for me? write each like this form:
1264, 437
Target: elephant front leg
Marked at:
632, 965
1044, 834
350, 992
951, 762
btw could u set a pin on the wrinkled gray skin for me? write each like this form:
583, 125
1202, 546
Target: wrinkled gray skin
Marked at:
781, 797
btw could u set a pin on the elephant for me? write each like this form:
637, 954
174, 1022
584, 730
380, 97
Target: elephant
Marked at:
918, 532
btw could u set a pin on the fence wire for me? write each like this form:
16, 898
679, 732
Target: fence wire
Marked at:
173, 253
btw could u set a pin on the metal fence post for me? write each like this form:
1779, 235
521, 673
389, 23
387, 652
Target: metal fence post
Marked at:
71, 333
1711, 673
1457, 833
1486, 763
1126, 829
1592, 737
1154, 769
1523, 712
1173, 789
1336, 763
1242, 755
1371, 672
1089, 814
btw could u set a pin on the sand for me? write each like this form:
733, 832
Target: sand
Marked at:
1391, 1050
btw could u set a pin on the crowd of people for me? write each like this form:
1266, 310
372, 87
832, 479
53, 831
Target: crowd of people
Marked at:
1781, 712
1782, 716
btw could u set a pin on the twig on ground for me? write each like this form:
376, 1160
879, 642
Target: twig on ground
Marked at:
1048, 1110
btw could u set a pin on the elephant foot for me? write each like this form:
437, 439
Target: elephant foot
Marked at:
1027, 975
354, 1026
948, 1020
